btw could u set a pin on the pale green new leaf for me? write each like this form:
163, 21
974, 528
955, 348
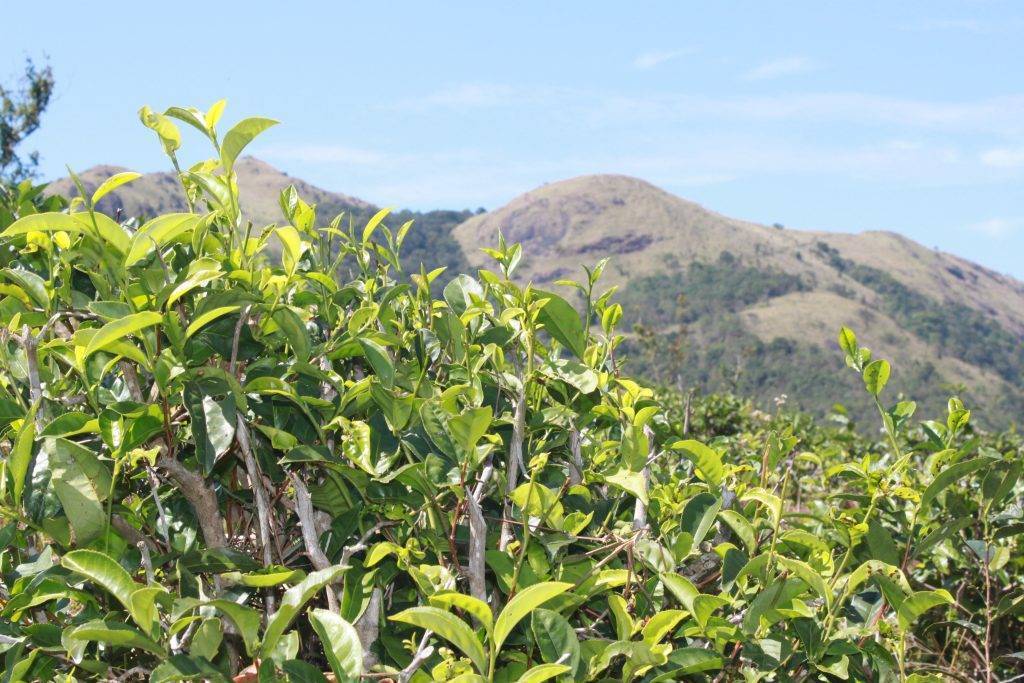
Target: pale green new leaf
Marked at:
474, 606
20, 457
876, 375
105, 229
707, 461
116, 330
240, 135
112, 183
543, 672
158, 233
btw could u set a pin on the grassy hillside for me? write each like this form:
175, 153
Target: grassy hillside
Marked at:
727, 304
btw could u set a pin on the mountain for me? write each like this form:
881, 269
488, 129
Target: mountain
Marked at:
712, 302
761, 306
259, 184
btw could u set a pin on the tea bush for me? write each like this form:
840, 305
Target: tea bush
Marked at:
219, 465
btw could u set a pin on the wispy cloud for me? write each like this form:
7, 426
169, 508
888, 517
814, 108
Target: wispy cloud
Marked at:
649, 60
779, 68
997, 115
331, 154
966, 25
996, 227
1003, 157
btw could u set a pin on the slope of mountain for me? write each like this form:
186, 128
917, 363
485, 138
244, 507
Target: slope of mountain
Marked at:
762, 305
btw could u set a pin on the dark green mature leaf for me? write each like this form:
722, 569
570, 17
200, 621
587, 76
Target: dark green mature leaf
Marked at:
563, 323
341, 643
80, 481
555, 638
951, 474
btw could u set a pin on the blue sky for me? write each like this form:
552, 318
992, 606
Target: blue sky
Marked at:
905, 116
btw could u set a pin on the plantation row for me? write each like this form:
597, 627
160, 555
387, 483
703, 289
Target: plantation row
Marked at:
220, 465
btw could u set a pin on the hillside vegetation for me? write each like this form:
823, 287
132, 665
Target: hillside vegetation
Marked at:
226, 463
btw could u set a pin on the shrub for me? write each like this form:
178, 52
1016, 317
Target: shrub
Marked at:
220, 464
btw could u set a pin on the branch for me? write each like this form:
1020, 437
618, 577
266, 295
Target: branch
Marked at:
310, 539
202, 497
423, 653
259, 494
515, 461
640, 510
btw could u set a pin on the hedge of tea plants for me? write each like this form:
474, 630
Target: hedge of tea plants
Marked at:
223, 464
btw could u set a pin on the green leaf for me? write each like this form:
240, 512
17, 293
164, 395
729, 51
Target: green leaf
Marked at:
555, 638
524, 602
116, 330
103, 571
631, 482
687, 661
563, 323
187, 668
372, 224
449, 627
289, 322
117, 634
707, 461
31, 283
295, 598
952, 474
379, 360
207, 318
207, 639
20, 458
239, 136
661, 624
157, 233
341, 644
112, 183
246, 620
477, 608
213, 425
808, 575
699, 514
543, 672
105, 229
143, 609
742, 528
920, 602
80, 482
876, 375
